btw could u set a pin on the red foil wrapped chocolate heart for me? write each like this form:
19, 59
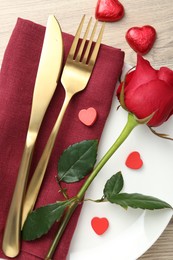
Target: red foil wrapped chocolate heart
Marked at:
141, 39
109, 10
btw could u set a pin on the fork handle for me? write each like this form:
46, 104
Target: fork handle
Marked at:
11, 239
37, 178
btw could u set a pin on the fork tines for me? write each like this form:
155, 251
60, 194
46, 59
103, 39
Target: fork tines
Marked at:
87, 56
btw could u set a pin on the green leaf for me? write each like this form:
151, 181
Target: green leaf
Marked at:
40, 221
114, 185
136, 200
77, 161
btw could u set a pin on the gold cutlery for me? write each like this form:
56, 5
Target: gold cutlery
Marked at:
75, 76
46, 81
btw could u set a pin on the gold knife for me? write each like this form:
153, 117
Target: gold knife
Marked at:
49, 70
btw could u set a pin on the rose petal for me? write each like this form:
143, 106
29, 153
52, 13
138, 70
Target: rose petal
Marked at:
166, 75
143, 73
152, 94
128, 79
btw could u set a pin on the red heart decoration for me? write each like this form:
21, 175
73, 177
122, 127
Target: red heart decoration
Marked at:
88, 116
109, 10
134, 161
141, 39
99, 225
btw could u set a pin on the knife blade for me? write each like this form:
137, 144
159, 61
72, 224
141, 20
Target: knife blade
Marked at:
48, 73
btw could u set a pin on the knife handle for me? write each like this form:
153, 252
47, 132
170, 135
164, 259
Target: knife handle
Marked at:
38, 175
11, 239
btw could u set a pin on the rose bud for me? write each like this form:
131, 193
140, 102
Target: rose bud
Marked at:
148, 91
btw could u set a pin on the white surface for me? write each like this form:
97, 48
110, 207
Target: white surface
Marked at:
133, 231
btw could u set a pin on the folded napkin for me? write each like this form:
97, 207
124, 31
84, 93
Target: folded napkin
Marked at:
17, 77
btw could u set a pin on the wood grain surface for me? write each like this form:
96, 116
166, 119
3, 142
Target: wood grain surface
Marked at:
158, 13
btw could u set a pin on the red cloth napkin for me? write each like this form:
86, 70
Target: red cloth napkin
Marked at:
17, 79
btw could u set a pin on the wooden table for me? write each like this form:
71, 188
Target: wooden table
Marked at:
157, 13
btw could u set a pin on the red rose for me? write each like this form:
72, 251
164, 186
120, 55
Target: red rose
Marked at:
148, 90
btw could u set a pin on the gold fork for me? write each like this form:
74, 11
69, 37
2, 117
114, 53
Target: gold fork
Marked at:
75, 76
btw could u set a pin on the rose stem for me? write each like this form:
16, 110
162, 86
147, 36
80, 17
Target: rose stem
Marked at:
61, 229
130, 125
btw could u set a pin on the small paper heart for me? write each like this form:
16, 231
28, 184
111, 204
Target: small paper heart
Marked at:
141, 39
134, 161
109, 10
99, 225
88, 116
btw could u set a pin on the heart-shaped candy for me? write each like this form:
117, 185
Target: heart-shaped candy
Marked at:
109, 10
88, 116
99, 225
141, 39
134, 161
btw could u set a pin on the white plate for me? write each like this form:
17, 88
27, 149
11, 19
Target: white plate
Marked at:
131, 232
